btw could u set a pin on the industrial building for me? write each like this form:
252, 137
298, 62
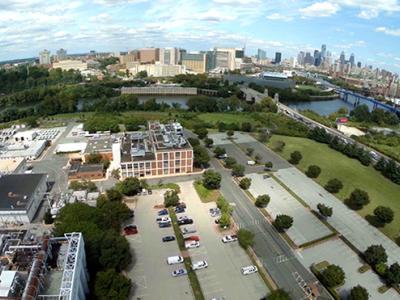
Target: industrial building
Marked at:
99, 145
42, 267
79, 171
162, 150
20, 197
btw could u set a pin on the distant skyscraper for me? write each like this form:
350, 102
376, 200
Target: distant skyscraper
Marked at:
300, 58
342, 58
278, 57
317, 58
261, 54
352, 60
44, 57
359, 64
308, 59
323, 52
61, 54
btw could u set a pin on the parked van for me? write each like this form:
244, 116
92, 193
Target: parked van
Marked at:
173, 260
251, 162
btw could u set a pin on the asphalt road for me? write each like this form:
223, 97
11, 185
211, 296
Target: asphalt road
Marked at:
277, 257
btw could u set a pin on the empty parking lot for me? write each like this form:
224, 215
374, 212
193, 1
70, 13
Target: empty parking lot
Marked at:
306, 227
150, 274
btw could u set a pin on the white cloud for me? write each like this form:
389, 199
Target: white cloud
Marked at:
388, 31
238, 2
370, 9
215, 16
279, 17
320, 9
117, 2
101, 18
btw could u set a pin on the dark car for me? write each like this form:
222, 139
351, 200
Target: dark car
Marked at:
216, 221
164, 224
130, 229
168, 238
163, 212
185, 222
179, 209
131, 213
149, 192
181, 204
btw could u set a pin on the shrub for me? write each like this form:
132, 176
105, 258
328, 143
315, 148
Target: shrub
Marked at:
230, 162
283, 222
224, 220
245, 183
358, 293
375, 254
393, 274
245, 238
333, 275
262, 200
238, 170
295, 157
211, 179
334, 186
208, 142
384, 214
358, 198
324, 210
268, 165
313, 171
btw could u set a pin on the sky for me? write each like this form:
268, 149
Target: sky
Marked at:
368, 28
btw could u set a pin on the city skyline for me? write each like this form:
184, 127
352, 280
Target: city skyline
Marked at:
368, 29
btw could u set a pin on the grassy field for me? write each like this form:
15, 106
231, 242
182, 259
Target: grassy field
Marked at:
351, 172
308, 87
227, 118
205, 194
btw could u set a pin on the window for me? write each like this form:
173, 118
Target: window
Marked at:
177, 155
165, 156
177, 170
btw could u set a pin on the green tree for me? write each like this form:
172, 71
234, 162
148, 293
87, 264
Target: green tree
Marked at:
313, 171
201, 132
324, 210
208, 142
230, 133
283, 222
194, 141
263, 136
358, 293
114, 195
249, 151
130, 186
262, 200
278, 294
114, 212
238, 170
295, 157
114, 251
247, 127
393, 274
142, 74
48, 218
219, 151
110, 285
257, 158
211, 179
358, 198
245, 183
334, 186
224, 205
201, 157
171, 198
384, 214
230, 162
245, 238
94, 158
269, 165
375, 254
225, 220
333, 275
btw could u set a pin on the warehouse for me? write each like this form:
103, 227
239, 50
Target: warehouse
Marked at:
20, 196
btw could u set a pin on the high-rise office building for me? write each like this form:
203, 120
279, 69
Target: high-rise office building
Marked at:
228, 58
61, 54
169, 56
352, 60
300, 58
149, 55
308, 59
317, 58
261, 54
278, 57
195, 62
323, 52
342, 58
44, 57
211, 62
359, 64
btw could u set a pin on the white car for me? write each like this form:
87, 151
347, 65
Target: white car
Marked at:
192, 244
198, 265
179, 272
251, 162
249, 270
181, 218
164, 219
229, 238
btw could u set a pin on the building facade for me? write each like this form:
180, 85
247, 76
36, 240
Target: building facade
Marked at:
161, 151
195, 62
149, 55
61, 54
44, 57
70, 64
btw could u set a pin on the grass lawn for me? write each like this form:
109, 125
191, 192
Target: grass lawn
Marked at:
205, 194
351, 172
308, 87
227, 118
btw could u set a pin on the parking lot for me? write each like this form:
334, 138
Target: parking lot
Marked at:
223, 277
306, 227
338, 253
221, 138
350, 224
150, 273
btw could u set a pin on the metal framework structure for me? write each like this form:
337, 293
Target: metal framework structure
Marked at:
70, 265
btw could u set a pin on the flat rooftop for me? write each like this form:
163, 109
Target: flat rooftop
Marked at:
16, 190
98, 145
10, 165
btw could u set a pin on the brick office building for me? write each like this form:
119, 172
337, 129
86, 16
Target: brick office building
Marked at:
162, 150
